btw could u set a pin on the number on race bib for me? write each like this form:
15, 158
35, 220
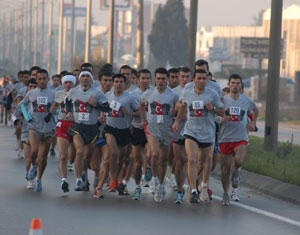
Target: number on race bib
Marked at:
198, 104
234, 110
83, 116
42, 100
114, 105
160, 118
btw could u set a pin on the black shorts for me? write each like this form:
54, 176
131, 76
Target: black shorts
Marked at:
138, 137
122, 136
179, 142
200, 144
88, 133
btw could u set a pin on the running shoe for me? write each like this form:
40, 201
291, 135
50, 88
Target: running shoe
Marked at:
98, 193
173, 183
125, 191
235, 180
209, 192
203, 194
30, 184
70, 166
144, 182
194, 197
179, 197
159, 195
235, 196
96, 181
65, 186
38, 186
52, 152
17, 146
85, 186
153, 188
148, 173
78, 185
32, 172
20, 154
137, 193
112, 186
121, 188
225, 200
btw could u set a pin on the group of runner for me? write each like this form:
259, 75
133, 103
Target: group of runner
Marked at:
173, 128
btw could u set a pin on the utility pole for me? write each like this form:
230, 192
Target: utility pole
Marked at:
72, 33
36, 32
140, 35
272, 102
110, 51
61, 11
3, 38
30, 34
192, 33
23, 44
50, 34
43, 32
88, 31
17, 40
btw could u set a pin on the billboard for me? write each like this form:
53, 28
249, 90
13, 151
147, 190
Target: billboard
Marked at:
119, 4
218, 54
78, 11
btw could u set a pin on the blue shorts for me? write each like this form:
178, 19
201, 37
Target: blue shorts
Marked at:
101, 142
216, 149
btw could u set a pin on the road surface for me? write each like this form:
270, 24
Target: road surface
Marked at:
79, 213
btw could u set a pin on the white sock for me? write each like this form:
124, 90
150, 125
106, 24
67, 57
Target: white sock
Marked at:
138, 185
234, 190
63, 179
203, 184
194, 190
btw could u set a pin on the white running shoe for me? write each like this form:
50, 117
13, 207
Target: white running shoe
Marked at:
203, 194
153, 187
159, 195
235, 196
70, 166
172, 182
21, 154
30, 184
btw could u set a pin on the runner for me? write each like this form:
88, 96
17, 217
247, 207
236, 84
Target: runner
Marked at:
138, 135
63, 139
201, 104
84, 104
35, 107
173, 74
184, 77
234, 136
161, 103
19, 120
117, 131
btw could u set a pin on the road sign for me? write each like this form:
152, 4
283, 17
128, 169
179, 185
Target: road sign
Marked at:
119, 4
257, 47
78, 11
218, 54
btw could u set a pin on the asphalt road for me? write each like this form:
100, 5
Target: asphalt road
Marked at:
79, 213
285, 133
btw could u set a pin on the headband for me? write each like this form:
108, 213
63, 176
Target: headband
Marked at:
69, 78
87, 73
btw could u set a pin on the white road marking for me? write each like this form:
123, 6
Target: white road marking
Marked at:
262, 212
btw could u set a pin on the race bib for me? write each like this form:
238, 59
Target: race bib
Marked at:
114, 105
198, 104
234, 110
83, 116
160, 118
42, 100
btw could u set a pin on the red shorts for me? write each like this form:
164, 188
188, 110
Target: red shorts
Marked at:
228, 148
62, 128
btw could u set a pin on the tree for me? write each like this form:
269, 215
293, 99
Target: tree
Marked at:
169, 36
258, 20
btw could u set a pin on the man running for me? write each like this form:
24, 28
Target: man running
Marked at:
161, 103
35, 107
201, 104
234, 136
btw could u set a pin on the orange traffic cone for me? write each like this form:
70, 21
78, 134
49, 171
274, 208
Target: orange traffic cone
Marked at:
36, 227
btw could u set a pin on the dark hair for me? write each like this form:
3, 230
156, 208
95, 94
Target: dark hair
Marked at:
199, 71
20, 73
201, 63
42, 71
209, 74
84, 65
34, 68
118, 75
161, 71
226, 89
135, 72
25, 72
75, 70
173, 70
63, 73
104, 73
87, 70
107, 66
143, 71
55, 76
185, 69
31, 81
235, 76
125, 66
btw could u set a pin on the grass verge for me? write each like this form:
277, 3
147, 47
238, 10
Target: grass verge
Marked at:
284, 165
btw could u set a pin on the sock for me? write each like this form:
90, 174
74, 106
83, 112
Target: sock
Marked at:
234, 190
194, 190
125, 182
63, 179
138, 185
203, 184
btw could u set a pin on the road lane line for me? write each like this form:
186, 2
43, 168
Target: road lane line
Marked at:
262, 212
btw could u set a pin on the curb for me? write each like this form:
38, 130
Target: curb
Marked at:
267, 185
